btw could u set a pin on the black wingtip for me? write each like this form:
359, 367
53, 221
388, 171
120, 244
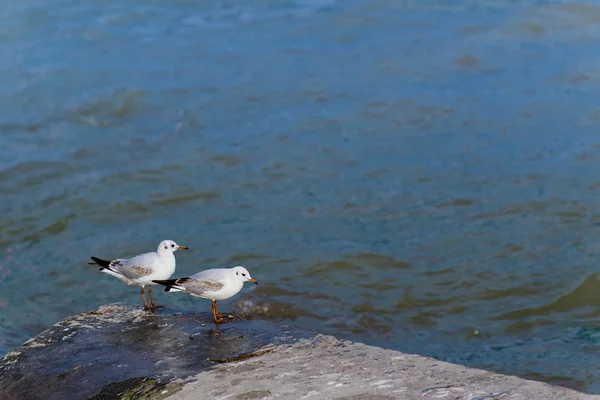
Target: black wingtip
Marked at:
101, 262
172, 283
167, 282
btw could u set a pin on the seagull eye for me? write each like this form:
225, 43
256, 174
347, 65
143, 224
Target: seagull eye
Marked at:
172, 245
243, 274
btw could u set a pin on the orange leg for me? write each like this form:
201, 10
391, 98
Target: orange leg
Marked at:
216, 316
151, 299
144, 299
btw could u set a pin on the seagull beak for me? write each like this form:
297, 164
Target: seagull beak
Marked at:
253, 281
183, 248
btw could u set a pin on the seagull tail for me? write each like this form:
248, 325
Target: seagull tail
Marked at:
170, 284
102, 263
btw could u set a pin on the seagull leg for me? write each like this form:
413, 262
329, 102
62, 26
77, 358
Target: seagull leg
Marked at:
144, 300
219, 315
151, 299
216, 317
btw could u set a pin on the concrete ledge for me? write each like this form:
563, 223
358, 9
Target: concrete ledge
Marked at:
122, 352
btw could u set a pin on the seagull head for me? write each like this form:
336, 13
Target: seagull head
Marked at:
243, 275
169, 246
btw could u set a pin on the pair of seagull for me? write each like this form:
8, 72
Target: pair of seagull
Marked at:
157, 267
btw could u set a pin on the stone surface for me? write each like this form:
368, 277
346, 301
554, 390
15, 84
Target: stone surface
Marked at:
324, 367
123, 352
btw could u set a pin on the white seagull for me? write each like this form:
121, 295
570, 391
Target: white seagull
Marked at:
212, 284
143, 269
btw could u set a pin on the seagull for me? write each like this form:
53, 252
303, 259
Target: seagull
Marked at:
143, 269
212, 284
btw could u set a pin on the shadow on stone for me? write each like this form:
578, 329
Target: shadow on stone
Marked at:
123, 352
138, 388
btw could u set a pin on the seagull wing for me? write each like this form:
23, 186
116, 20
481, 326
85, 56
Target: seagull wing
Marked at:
211, 280
136, 267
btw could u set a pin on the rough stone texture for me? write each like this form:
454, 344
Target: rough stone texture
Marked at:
122, 352
324, 367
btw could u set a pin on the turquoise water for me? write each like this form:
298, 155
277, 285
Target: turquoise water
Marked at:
411, 175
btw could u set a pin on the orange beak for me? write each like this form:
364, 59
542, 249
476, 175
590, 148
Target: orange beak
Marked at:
183, 248
253, 281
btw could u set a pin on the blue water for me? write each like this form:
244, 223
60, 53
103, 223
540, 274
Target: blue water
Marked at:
414, 175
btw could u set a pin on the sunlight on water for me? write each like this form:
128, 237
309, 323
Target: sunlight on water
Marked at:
414, 175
